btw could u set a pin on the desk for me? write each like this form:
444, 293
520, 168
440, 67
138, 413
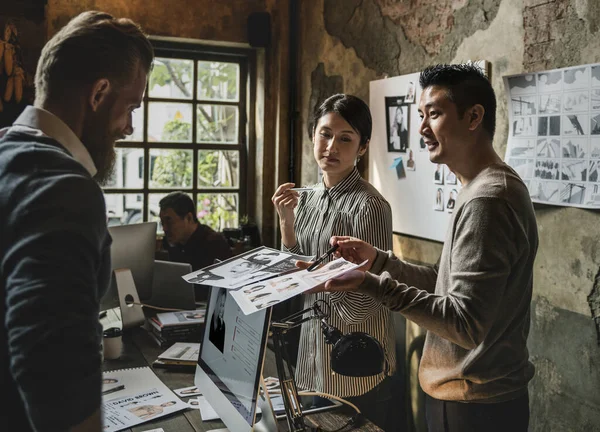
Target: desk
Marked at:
140, 350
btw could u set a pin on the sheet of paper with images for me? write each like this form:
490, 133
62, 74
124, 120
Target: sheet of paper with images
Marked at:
181, 317
188, 391
182, 351
252, 266
134, 396
554, 134
254, 297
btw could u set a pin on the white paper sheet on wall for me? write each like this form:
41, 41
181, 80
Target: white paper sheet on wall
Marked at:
554, 134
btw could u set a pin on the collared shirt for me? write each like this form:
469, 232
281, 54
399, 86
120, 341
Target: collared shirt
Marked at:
354, 208
38, 121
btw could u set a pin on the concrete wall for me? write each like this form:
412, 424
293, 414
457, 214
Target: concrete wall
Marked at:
347, 43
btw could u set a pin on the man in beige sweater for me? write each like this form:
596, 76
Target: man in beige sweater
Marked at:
475, 304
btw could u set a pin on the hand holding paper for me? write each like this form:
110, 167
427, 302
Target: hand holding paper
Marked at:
348, 281
354, 250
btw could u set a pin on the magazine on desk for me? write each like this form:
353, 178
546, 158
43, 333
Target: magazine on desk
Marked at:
134, 396
252, 266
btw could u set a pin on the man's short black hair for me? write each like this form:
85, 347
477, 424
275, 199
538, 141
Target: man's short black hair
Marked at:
181, 203
466, 85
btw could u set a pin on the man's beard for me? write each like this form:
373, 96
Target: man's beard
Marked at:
100, 143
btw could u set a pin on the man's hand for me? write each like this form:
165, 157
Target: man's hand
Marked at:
354, 250
349, 281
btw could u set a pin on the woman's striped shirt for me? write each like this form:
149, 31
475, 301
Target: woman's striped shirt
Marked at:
351, 208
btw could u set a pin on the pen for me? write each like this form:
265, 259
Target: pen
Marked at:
301, 189
112, 390
322, 258
102, 314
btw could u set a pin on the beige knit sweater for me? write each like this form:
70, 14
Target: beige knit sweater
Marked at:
476, 304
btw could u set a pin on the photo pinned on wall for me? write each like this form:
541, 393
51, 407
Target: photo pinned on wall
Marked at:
397, 114
398, 166
410, 163
439, 200
450, 177
410, 92
422, 146
451, 200
438, 176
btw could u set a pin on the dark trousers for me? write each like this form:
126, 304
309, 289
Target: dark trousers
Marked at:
376, 404
446, 416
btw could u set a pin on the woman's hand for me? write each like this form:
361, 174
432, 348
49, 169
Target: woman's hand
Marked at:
285, 201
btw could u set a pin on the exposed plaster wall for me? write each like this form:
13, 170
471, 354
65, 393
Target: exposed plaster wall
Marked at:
355, 40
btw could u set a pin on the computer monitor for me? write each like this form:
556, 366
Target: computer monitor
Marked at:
133, 248
230, 363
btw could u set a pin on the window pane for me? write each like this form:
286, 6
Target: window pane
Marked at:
128, 171
169, 122
172, 78
218, 211
138, 126
170, 168
124, 209
218, 168
154, 210
218, 81
217, 123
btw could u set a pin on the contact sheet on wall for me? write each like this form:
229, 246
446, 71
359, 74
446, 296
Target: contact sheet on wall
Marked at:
554, 134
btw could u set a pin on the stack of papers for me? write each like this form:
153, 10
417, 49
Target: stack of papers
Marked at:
264, 277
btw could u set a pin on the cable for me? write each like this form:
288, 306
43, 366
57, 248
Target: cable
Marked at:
352, 421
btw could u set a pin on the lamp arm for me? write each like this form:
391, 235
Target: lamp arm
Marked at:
289, 391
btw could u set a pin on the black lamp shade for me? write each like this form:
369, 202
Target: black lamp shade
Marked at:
357, 354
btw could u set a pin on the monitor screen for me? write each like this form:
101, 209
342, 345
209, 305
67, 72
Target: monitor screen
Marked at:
231, 359
132, 247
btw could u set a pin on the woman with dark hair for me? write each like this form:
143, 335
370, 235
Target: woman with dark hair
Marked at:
217, 323
342, 202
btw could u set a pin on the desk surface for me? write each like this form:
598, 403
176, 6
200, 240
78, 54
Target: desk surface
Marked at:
140, 350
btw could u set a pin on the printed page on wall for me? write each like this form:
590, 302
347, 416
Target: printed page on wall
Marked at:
554, 134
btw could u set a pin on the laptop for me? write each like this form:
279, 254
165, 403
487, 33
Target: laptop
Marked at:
168, 287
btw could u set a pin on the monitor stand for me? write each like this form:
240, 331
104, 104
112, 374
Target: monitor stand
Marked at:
268, 421
132, 314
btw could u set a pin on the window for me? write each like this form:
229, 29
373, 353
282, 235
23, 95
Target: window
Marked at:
189, 135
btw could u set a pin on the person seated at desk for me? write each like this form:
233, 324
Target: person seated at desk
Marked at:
186, 239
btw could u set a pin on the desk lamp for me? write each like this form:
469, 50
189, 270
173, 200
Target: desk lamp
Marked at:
353, 354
